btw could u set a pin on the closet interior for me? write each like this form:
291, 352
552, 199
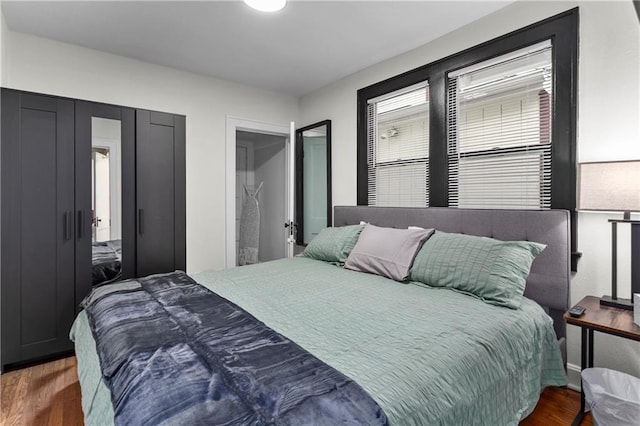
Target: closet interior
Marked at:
261, 197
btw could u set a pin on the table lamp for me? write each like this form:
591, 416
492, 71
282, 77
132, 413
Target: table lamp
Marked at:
614, 186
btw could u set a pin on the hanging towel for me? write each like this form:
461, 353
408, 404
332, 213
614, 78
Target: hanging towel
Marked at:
249, 227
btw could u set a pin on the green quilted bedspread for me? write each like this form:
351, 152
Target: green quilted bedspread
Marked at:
428, 356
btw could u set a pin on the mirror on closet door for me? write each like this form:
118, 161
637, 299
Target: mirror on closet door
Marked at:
313, 180
106, 200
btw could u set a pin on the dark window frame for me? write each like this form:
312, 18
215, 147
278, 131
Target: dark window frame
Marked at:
562, 30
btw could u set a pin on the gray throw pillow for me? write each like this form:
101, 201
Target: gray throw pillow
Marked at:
333, 244
493, 270
386, 251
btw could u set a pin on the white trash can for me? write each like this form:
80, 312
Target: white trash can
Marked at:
613, 397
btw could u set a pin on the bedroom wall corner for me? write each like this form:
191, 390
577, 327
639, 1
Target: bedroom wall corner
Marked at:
608, 128
46, 66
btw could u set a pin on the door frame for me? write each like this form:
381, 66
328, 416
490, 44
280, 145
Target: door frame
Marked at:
234, 124
299, 178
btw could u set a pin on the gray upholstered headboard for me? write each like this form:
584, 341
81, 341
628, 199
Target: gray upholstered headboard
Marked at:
548, 282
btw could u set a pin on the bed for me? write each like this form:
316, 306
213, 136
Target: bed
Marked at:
425, 355
106, 262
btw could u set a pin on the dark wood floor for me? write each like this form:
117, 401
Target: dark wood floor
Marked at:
49, 394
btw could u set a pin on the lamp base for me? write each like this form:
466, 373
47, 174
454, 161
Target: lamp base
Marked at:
617, 303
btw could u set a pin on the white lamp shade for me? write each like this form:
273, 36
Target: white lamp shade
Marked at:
609, 186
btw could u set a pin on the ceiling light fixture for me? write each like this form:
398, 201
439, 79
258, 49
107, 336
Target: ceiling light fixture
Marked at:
266, 5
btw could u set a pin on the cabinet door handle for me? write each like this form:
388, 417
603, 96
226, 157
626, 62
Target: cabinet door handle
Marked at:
80, 224
67, 219
140, 221
70, 225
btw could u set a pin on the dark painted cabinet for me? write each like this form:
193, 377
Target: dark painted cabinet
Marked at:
160, 181
37, 225
45, 221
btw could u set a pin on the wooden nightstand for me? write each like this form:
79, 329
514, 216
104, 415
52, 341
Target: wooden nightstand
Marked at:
604, 319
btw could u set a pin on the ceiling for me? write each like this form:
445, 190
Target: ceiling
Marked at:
305, 46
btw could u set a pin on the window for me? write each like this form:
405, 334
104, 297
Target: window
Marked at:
499, 131
498, 126
398, 148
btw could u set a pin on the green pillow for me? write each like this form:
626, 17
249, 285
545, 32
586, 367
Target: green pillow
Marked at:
333, 244
495, 271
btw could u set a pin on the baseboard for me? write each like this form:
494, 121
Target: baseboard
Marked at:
573, 376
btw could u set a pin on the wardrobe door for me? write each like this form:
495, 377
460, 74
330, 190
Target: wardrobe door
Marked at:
99, 128
160, 192
37, 225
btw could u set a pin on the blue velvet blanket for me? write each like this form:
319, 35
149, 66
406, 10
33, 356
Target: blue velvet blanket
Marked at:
173, 352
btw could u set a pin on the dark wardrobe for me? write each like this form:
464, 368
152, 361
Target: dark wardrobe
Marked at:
50, 159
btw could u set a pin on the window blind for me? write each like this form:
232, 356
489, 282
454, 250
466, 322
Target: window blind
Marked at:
398, 148
499, 131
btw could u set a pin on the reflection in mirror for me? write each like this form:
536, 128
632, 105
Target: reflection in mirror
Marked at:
106, 199
313, 180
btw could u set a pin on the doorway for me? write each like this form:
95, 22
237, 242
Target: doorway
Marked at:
259, 181
261, 178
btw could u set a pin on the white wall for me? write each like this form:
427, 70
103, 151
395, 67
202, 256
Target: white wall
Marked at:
3, 31
41, 65
608, 128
